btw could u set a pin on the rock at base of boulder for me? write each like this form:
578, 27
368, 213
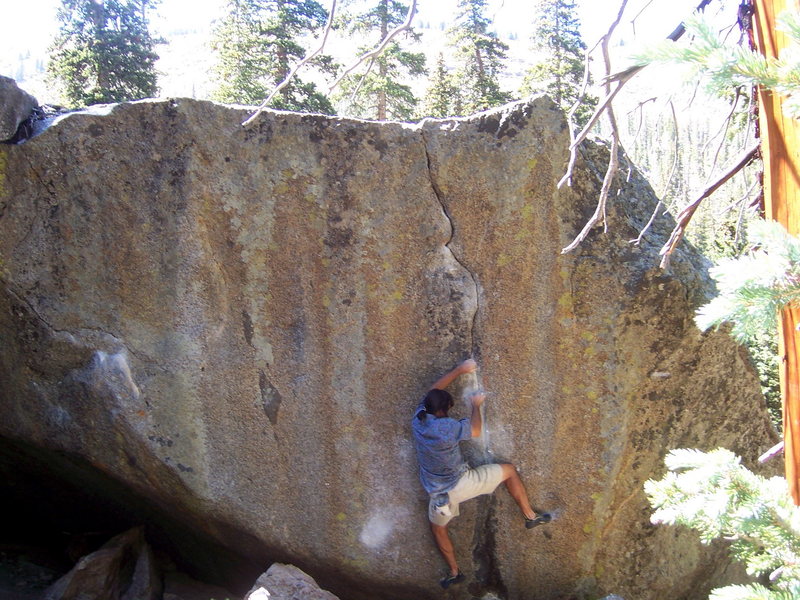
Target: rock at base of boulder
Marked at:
122, 569
287, 582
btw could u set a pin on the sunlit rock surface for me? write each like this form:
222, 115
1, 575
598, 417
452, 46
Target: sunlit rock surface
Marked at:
228, 330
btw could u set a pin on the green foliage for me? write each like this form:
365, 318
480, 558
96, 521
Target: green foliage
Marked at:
382, 92
559, 71
719, 498
764, 354
442, 97
104, 52
752, 289
724, 66
257, 46
480, 56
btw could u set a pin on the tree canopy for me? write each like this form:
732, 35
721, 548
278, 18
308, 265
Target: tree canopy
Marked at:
382, 91
480, 58
559, 47
104, 51
258, 42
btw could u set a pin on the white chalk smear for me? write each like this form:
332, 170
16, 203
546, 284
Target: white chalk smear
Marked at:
115, 366
376, 531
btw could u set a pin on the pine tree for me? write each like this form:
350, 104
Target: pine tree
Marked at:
442, 99
558, 44
714, 494
104, 51
382, 93
480, 56
257, 46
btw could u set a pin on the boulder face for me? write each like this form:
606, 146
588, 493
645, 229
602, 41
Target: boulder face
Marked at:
231, 328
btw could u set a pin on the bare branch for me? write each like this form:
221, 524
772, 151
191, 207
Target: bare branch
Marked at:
601, 108
637, 15
659, 204
640, 108
621, 79
297, 67
573, 152
681, 29
613, 162
362, 80
726, 124
772, 452
686, 214
375, 52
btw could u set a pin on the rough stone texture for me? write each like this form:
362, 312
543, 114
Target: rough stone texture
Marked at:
123, 569
235, 326
16, 105
287, 582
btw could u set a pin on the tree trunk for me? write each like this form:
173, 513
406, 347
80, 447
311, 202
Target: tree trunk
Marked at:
780, 141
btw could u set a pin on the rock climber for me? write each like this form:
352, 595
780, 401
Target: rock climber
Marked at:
445, 475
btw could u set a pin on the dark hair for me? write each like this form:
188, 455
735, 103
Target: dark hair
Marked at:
437, 400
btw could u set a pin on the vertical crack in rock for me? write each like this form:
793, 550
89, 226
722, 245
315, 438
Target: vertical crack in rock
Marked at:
487, 571
474, 349
484, 546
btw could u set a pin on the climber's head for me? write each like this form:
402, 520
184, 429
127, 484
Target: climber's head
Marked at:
438, 402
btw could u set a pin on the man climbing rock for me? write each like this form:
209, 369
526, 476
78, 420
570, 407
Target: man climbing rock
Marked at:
448, 480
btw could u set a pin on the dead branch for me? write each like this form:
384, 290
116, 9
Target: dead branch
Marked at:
613, 162
686, 214
771, 453
362, 80
639, 14
681, 29
672, 170
640, 109
375, 52
726, 125
573, 153
723, 129
621, 78
297, 67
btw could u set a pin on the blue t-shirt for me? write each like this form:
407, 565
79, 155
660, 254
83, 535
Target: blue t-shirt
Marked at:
440, 461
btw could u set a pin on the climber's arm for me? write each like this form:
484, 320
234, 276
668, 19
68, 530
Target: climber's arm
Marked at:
475, 421
468, 366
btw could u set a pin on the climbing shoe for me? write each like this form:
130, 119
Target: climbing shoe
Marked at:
451, 580
539, 520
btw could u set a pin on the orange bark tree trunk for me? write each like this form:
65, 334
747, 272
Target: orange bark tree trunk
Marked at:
780, 143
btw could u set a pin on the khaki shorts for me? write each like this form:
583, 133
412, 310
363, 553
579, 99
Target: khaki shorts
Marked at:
475, 482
